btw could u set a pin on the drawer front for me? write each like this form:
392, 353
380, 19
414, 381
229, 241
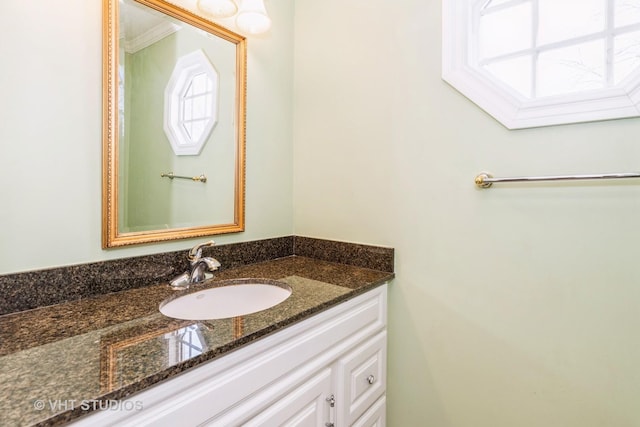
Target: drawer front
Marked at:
361, 378
376, 415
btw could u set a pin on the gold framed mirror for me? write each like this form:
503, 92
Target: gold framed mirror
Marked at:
174, 99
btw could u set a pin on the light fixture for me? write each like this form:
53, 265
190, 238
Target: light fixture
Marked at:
218, 8
252, 17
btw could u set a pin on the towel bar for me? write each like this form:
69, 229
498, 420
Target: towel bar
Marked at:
170, 175
486, 180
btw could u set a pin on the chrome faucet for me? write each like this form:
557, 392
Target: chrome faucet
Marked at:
199, 266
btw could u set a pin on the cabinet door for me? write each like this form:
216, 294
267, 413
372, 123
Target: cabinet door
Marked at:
306, 406
375, 415
360, 379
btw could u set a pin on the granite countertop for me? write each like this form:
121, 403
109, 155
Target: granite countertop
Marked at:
61, 361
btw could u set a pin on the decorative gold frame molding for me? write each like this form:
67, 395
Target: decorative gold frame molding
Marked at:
111, 237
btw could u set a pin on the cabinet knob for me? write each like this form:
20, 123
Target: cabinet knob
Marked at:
371, 379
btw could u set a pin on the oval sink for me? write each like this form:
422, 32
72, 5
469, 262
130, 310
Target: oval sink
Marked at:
227, 299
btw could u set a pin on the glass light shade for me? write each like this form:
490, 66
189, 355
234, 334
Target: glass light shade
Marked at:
252, 17
218, 8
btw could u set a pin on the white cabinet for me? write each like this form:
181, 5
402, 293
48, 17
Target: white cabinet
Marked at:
304, 406
375, 415
327, 370
361, 379
337, 393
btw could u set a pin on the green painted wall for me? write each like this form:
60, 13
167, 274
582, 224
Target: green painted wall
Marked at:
514, 306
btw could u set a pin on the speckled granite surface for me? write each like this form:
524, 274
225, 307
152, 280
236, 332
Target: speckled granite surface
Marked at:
366, 256
61, 361
24, 291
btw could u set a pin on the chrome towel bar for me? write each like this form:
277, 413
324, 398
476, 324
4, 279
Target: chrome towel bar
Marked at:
170, 175
486, 180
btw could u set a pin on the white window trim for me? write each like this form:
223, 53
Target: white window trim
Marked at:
506, 106
186, 67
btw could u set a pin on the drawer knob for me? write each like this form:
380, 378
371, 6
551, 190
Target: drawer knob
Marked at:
371, 379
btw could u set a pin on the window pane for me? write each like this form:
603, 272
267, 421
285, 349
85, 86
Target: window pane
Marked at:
626, 55
187, 112
199, 107
514, 72
505, 31
189, 90
188, 128
200, 83
198, 129
627, 12
492, 3
566, 19
571, 69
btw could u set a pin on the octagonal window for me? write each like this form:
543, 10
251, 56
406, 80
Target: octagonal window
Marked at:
542, 62
191, 99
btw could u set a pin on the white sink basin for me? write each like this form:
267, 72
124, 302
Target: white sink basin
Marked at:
227, 299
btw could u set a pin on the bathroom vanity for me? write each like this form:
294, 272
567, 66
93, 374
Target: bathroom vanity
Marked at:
328, 370
317, 358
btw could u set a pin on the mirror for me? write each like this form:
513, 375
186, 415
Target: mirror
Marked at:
173, 124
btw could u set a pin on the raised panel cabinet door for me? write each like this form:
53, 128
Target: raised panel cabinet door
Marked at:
361, 378
305, 406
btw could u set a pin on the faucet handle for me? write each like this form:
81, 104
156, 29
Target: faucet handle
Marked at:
212, 263
196, 252
181, 282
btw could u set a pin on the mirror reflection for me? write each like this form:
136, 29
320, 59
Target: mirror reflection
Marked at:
175, 147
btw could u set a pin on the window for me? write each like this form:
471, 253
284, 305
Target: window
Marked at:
542, 62
184, 344
191, 100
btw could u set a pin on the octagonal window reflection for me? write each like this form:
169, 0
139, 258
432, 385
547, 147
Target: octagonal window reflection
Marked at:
191, 99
